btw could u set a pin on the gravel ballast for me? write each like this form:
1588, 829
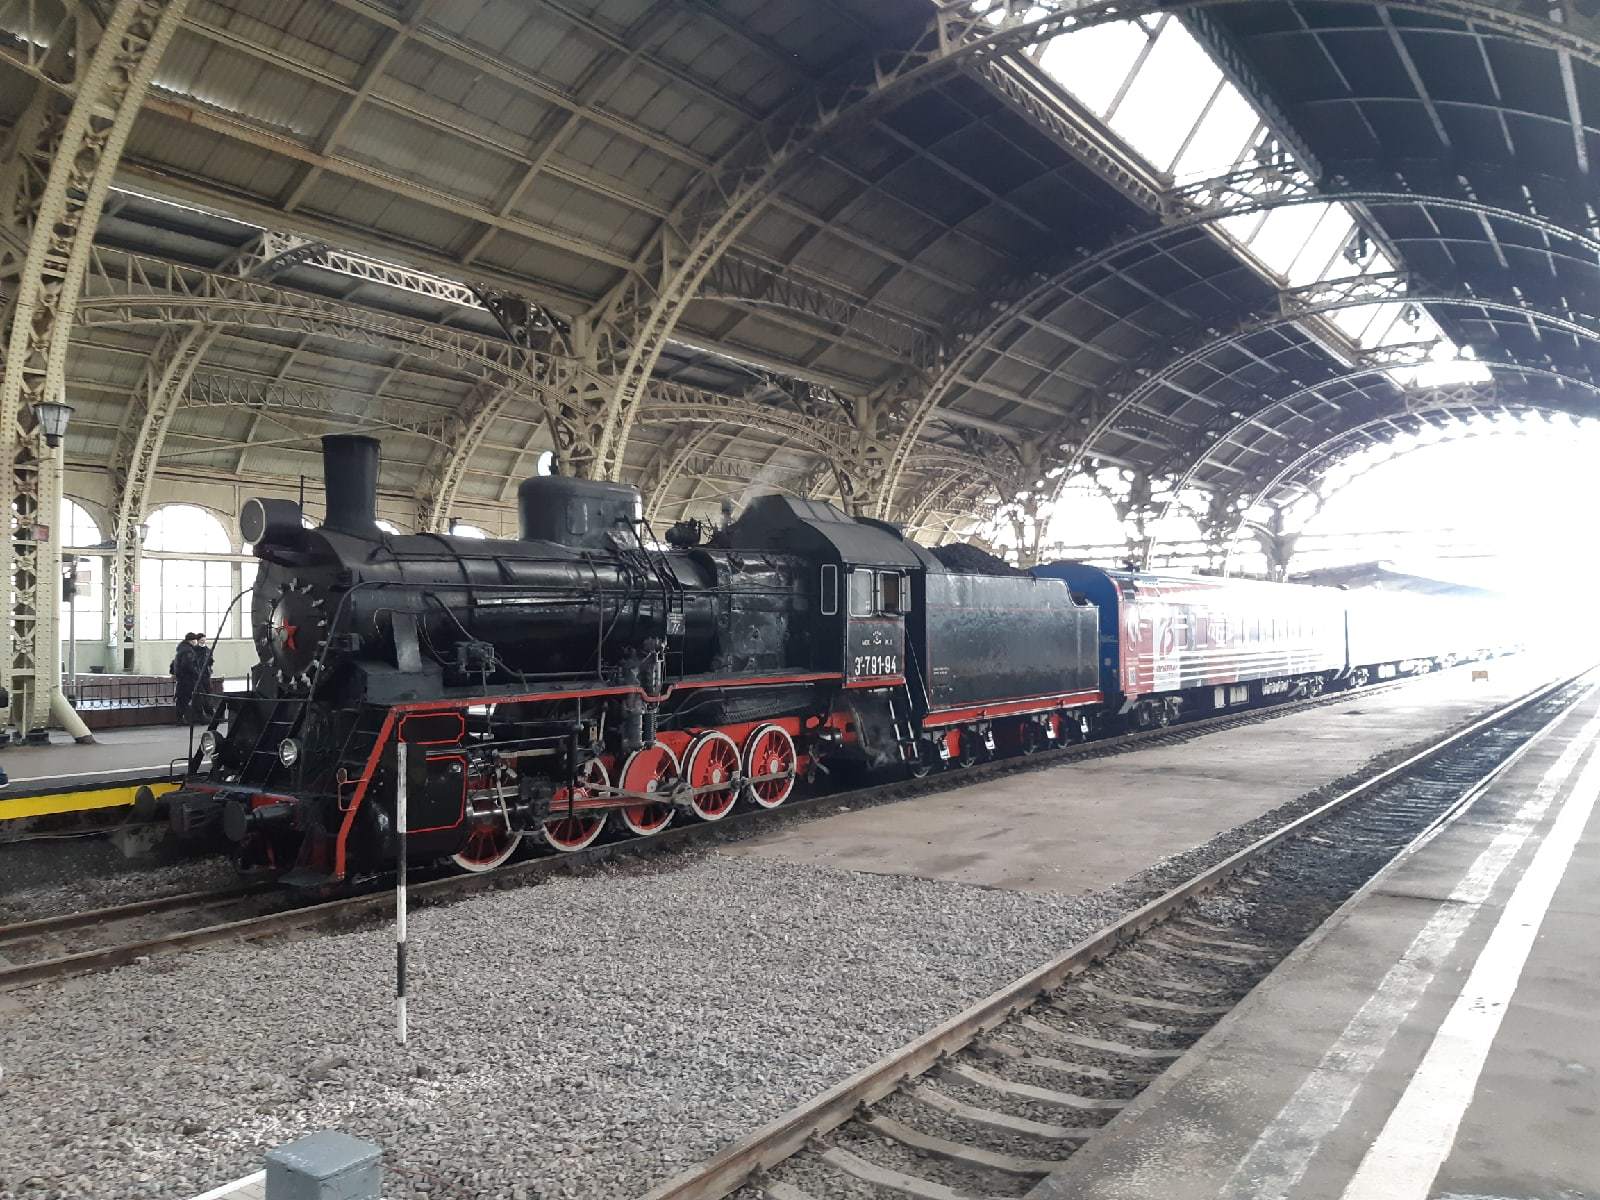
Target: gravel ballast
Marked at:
92, 889
586, 1037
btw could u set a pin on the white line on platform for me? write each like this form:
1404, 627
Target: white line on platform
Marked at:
90, 774
227, 1189
1280, 1156
1421, 1130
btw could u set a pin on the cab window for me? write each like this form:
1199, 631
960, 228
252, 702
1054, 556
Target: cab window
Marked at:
830, 589
889, 587
860, 593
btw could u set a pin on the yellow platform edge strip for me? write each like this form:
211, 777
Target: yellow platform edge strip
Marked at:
65, 802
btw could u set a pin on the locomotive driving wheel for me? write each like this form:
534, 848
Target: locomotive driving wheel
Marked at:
769, 765
488, 845
712, 760
576, 830
653, 768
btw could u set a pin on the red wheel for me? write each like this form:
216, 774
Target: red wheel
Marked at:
577, 830
488, 845
769, 764
652, 769
712, 760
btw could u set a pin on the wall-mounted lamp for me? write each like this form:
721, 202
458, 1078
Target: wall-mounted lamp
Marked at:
52, 419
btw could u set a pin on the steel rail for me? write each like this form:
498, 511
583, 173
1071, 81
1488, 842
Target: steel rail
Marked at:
351, 909
64, 922
780, 1139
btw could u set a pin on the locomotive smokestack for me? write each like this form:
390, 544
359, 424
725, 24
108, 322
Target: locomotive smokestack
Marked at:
350, 482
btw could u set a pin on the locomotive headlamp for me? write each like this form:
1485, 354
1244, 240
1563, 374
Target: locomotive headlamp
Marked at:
288, 752
208, 743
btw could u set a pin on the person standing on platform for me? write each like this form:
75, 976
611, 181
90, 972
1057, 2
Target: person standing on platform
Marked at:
185, 668
200, 705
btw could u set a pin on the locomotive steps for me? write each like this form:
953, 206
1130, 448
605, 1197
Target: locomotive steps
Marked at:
994, 1099
105, 938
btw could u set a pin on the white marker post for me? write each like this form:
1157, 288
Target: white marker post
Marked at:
400, 892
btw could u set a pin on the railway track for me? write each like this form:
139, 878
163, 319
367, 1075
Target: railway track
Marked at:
101, 937
96, 940
990, 1102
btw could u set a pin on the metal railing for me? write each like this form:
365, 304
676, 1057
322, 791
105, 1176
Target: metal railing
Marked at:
128, 691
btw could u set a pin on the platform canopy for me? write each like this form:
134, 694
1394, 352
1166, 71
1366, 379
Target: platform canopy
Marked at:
922, 258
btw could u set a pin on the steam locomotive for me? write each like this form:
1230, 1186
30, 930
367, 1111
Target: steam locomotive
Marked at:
576, 676
581, 677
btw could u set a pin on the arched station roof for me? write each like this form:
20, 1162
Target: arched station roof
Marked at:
908, 253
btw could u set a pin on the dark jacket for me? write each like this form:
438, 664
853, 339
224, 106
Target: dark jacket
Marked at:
186, 662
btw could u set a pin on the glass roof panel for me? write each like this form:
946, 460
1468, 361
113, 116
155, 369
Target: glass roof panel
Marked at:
1094, 63
1242, 227
1354, 321
1320, 257
1225, 132
1177, 66
1284, 235
1446, 366
1161, 112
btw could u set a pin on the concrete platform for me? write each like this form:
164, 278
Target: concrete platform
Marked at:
1438, 1037
1085, 826
63, 761
65, 778
251, 1187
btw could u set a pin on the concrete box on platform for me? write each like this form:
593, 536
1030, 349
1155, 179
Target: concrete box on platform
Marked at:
325, 1166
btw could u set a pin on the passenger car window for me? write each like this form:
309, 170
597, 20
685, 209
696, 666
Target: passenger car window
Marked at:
860, 593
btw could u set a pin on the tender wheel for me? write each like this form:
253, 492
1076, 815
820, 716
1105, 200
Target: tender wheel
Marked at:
922, 766
769, 765
712, 760
969, 749
651, 769
568, 832
488, 845
1032, 738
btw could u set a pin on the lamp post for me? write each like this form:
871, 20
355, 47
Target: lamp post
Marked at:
51, 418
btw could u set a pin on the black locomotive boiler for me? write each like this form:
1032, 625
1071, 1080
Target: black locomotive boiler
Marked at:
580, 675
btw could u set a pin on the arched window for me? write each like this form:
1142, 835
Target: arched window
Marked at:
462, 529
186, 529
388, 527
183, 588
82, 530
84, 615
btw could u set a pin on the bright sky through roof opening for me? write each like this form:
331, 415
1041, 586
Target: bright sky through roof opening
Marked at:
1508, 511
1159, 90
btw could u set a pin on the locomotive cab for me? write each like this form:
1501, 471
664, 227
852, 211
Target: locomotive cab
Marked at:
862, 582
863, 570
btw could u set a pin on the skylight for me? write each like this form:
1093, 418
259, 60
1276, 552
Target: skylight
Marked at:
1158, 89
